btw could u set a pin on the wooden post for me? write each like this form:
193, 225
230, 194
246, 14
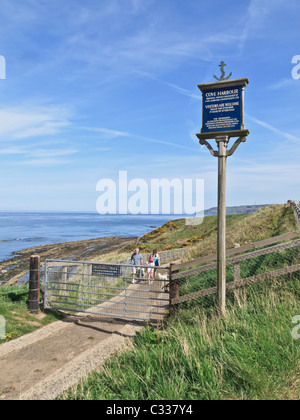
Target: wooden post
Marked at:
222, 142
174, 286
34, 284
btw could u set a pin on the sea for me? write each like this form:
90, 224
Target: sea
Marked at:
21, 230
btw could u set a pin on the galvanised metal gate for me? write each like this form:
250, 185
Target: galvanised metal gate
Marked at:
114, 290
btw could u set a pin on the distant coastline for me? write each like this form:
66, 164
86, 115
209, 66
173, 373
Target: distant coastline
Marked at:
236, 209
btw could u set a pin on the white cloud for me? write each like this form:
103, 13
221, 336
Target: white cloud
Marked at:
24, 122
12, 151
275, 130
174, 87
46, 153
106, 133
45, 162
111, 134
257, 13
284, 83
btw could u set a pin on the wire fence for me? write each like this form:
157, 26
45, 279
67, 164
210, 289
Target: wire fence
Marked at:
198, 285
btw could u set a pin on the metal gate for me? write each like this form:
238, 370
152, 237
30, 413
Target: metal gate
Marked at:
114, 290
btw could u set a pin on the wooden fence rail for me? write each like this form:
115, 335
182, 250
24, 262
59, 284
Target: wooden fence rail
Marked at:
237, 284
236, 260
176, 275
240, 250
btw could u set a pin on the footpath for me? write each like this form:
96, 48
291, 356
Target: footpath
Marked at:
45, 363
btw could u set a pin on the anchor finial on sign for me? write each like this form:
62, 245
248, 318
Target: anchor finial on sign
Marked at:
222, 65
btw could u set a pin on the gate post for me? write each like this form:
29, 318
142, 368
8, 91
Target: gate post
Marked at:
34, 284
174, 287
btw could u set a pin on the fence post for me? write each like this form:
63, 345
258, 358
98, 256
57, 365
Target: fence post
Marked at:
174, 286
34, 284
237, 277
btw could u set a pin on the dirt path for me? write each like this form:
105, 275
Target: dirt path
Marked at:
41, 365
45, 363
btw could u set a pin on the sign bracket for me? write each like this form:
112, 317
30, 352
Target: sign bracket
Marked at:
230, 152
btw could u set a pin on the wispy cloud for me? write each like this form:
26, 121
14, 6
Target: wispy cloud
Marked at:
12, 151
275, 130
106, 133
46, 153
281, 84
114, 134
38, 157
174, 87
257, 13
24, 122
45, 162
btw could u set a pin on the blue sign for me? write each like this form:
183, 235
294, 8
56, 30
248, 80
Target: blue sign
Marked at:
222, 109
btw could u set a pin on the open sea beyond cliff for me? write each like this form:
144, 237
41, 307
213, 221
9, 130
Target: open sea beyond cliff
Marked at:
21, 230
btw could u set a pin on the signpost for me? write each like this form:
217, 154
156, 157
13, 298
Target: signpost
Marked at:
222, 119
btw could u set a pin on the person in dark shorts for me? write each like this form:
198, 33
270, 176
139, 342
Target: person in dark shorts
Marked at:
137, 261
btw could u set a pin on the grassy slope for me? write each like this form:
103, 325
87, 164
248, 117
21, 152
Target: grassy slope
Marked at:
201, 239
247, 228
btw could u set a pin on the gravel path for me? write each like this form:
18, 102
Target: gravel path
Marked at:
42, 365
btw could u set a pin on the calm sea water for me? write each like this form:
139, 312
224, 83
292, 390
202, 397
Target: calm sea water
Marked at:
20, 230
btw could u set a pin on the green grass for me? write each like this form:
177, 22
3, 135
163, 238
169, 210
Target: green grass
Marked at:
248, 228
248, 354
19, 320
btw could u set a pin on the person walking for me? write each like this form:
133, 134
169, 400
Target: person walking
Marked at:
137, 261
156, 260
150, 270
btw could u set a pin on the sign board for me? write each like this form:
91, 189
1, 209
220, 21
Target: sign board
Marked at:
106, 270
223, 108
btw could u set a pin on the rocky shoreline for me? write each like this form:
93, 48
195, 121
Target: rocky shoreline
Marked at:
11, 270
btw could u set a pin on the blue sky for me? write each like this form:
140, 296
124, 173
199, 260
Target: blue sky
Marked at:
101, 86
